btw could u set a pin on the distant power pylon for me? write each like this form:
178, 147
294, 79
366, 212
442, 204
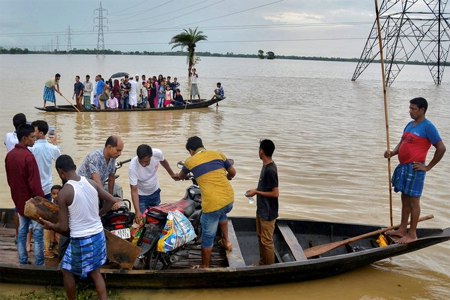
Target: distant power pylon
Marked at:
57, 42
407, 25
100, 37
69, 39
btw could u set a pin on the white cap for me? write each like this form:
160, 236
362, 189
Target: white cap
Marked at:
136, 75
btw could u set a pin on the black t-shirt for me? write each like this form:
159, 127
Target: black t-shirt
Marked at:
267, 208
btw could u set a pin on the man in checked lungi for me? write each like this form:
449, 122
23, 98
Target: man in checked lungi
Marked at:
409, 176
51, 86
79, 214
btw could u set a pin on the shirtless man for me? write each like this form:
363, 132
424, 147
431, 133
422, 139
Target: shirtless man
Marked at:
409, 176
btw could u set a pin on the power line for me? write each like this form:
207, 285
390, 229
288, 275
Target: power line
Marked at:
221, 27
234, 13
143, 12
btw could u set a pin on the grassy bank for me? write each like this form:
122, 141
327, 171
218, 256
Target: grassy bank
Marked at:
52, 293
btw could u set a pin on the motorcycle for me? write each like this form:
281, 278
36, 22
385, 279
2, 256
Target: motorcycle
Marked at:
119, 221
155, 220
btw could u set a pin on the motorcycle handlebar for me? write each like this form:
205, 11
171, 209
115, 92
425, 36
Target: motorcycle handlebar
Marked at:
121, 163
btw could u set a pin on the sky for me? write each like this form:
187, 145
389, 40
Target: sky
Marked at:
331, 28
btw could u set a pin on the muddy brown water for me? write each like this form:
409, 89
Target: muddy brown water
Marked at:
329, 134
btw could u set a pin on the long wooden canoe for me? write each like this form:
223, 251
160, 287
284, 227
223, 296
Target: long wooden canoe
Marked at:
236, 268
194, 104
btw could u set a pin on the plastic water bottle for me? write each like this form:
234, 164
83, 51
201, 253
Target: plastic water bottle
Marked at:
251, 200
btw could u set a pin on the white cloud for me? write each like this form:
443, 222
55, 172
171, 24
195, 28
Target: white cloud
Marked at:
295, 18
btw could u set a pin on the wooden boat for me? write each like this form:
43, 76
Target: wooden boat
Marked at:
235, 268
193, 104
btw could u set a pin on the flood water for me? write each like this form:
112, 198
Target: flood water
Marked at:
330, 139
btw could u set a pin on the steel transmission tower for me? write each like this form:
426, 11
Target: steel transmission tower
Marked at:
69, 39
100, 37
408, 25
57, 42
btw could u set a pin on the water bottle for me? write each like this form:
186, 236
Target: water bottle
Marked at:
251, 200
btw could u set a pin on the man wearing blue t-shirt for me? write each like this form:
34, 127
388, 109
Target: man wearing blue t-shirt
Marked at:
99, 89
409, 176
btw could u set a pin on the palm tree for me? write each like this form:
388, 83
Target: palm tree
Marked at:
188, 38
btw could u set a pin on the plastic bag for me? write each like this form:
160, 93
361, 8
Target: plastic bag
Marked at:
177, 232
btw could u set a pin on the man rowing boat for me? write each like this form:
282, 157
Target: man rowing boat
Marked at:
51, 86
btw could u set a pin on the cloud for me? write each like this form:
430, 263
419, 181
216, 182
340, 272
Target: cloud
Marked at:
295, 18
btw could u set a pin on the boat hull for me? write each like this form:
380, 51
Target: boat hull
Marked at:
335, 262
196, 104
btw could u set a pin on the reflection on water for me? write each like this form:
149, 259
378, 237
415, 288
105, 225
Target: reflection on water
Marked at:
329, 134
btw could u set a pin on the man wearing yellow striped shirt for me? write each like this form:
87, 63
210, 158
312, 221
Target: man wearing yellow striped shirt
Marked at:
212, 171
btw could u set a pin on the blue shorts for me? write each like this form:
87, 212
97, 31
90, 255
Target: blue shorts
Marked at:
210, 222
150, 200
408, 181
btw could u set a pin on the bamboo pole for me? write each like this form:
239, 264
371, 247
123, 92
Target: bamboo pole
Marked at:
386, 116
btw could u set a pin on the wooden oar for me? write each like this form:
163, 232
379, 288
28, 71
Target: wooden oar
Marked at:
70, 103
321, 249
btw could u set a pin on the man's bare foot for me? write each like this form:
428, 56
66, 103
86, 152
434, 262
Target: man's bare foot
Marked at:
226, 245
396, 233
407, 239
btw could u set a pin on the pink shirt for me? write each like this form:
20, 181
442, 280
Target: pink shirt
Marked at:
112, 103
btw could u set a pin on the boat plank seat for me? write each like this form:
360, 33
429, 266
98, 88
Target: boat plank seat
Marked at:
234, 257
292, 242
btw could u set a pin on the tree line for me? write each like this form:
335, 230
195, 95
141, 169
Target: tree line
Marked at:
184, 53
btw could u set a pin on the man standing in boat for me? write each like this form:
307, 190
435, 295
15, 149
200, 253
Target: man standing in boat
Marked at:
194, 86
23, 178
409, 176
143, 175
78, 92
79, 214
87, 91
51, 86
267, 203
212, 170
100, 165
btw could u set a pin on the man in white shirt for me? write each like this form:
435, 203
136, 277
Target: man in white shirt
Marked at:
11, 137
87, 91
143, 174
133, 94
138, 90
45, 154
194, 86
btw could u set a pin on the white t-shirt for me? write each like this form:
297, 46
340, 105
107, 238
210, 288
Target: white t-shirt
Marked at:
146, 178
11, 141
194, 78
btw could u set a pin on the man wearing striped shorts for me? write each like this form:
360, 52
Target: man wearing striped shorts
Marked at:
51, 86
409, 176
79, 213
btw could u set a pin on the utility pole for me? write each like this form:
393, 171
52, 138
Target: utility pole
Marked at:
100, 26
57, 42
51, 45
69, 39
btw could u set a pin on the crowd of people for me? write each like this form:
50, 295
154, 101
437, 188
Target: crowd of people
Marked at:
29, 168
127, 92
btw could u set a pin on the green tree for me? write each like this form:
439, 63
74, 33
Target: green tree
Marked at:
261, 54
188, 38
270, 55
